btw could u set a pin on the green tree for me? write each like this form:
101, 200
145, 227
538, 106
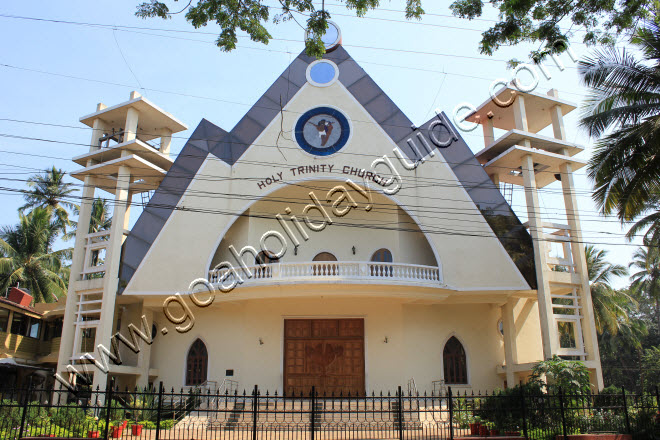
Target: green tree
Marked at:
611, 306
623, 111
651, 364
571, 376
27, 258
646, 263
539, 20
50, 191
100, 219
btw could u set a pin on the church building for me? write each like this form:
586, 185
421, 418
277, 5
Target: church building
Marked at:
327, 241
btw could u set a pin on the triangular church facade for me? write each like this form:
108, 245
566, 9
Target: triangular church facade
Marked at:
324, 241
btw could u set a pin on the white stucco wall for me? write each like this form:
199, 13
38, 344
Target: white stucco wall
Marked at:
416, 335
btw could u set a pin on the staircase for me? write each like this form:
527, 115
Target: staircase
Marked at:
236, 414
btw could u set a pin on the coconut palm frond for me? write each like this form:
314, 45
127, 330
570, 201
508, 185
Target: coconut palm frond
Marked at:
622, 110
28, 259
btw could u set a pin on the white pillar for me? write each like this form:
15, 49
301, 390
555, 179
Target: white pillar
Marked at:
111, 278
557, 118
130, 129
166, 142
98, 126
489, 132
519, 113
77, 262
510, 343
548, 330
579, 259
67, 341
144, 355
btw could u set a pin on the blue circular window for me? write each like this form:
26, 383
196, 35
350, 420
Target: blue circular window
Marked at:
322, 72
322, 131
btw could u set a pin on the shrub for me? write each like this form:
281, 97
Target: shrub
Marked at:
10, 414
148, 424
167, 424
70, 417
117, 411
36, 414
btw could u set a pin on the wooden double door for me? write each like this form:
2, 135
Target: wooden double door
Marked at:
325, 353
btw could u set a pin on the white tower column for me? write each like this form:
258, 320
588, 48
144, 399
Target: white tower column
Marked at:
548, 330
111, 277
580, 261
67, 341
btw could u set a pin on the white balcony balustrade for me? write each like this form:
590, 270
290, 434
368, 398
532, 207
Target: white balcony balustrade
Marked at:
330, 271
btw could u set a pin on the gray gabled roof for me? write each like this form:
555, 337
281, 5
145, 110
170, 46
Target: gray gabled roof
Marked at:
229, 147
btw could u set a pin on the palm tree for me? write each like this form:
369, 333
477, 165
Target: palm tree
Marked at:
611, 307
646, 260
50, 191
624, 102
100, 219
26, 258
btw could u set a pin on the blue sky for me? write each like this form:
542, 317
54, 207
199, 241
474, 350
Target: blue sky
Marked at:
53, 73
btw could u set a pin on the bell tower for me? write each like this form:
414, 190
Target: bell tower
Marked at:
129, 153
523, 157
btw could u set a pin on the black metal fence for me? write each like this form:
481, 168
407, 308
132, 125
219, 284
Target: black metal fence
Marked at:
197, 415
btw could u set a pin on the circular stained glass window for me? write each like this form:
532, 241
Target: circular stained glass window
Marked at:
322, 73
322, 131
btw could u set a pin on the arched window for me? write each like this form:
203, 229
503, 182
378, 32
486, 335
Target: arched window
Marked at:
455, 362
325, 256
382, 256
197, 363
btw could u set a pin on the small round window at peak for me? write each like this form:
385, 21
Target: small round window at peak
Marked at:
331, 38
322, 73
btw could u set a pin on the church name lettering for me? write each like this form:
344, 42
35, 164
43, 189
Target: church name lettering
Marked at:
303, 170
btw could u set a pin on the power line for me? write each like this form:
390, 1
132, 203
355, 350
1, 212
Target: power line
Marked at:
270, 216
233, 142
124, 27
303, 201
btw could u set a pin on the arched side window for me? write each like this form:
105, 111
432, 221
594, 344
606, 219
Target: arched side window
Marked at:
382, 256
197, 363
455, 362
324, 256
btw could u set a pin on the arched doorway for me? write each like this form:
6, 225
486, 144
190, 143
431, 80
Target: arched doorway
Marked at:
324, 256
381, 270
197, 364
324, 269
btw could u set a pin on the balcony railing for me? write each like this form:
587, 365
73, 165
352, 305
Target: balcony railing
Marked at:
323, 271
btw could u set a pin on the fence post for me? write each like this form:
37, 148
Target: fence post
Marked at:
25, 409
313, 411
625, 408
523, 411
561, 409
400, 413
161, 388
108, 407
450, 405
255, 409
